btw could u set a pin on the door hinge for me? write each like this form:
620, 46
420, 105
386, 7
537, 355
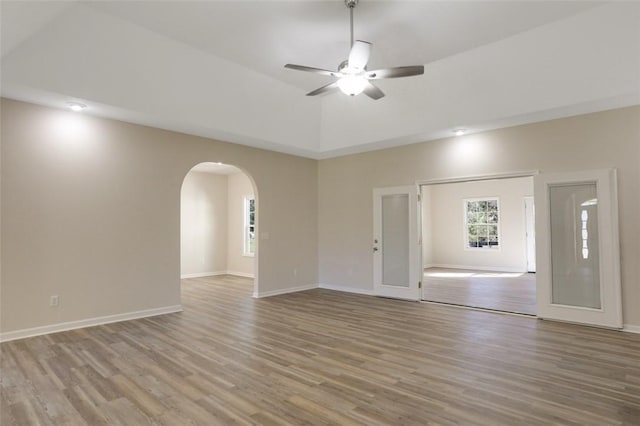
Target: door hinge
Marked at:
419, 284
419, 198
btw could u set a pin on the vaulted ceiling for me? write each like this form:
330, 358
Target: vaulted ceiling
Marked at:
215, 68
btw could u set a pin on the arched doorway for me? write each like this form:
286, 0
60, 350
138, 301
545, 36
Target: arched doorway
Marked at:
218, 223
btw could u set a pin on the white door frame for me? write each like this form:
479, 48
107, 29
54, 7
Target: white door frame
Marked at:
610, 313
410, 291
530, 232
471, 178
468, 178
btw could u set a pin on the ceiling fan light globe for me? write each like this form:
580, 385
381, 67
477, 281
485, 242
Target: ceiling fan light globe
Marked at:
352, 85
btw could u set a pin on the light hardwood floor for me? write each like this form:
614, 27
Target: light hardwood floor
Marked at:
322, 357
501, 291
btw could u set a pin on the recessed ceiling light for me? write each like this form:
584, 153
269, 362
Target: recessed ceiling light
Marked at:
76, 106
460, 132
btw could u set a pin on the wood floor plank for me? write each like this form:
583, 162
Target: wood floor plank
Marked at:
501, 291
321, 357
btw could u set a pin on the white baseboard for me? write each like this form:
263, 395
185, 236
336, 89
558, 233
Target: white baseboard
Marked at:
269, 293
211, 274
631, 328
355, 290
240, 274
202, 274
479, 268
89, 322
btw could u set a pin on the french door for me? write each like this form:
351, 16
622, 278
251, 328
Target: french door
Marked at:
396, 242
577, 250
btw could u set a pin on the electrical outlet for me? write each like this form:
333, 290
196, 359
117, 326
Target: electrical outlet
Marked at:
54, 300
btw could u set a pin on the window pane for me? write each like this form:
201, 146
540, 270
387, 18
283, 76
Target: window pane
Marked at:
493, 235
482, 218
471, 217
249, 226
472, 236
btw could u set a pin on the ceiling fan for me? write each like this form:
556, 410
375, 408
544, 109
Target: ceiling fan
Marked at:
353, 76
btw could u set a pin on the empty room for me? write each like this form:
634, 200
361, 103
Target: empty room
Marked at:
478, 244
217, 227
320, 212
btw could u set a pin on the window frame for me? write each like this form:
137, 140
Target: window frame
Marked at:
248, 250
465, 224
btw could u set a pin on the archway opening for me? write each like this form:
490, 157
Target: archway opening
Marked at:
218, 226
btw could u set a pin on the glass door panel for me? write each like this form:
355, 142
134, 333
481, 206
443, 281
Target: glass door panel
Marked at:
575, 261
395, 240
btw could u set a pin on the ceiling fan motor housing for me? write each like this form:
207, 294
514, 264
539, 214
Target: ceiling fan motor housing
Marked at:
344, 67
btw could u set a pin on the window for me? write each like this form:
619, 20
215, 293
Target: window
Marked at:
249, 226
481, 223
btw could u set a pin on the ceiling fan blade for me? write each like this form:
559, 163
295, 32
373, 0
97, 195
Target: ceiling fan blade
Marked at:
324, 89
359, 55
372, 91
395, 72
313, 70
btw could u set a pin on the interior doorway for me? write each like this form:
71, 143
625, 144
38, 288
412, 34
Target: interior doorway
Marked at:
218, 226
478, 244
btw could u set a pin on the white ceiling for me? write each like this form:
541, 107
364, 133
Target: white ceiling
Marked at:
216, 68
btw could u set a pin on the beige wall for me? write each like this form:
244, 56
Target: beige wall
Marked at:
91, 207
91, 212
203, 224
239, 187
600, 140
446, 235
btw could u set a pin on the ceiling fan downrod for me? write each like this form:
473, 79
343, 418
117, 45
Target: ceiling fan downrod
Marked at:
351, 4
